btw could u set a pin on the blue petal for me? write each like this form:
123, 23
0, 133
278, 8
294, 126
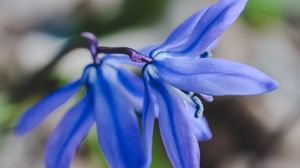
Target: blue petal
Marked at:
213, 45
180, 33
207, 98
148, 50
200, 127
148, 116
117, 124
132, 87
177, 135
217, 18
37, 113
68, 135
213, 76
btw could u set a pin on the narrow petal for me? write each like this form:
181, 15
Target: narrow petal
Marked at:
216, 19
68, 135
132, 87
148, 116
213, 45
200, 127
214, 76
148, 50
180, 33
117, 125
177, 135
37, 113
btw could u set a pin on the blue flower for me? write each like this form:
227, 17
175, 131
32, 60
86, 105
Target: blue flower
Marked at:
181, 64
172, 73
112, 95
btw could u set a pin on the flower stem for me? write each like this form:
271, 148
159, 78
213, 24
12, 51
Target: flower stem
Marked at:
134, 55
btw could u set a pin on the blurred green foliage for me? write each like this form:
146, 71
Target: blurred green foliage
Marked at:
159, 155
8, 113
263, 12
95, 153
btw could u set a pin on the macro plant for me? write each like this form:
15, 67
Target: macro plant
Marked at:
173, 72
106, 85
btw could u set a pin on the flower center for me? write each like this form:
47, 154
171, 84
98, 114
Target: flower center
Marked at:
134, 55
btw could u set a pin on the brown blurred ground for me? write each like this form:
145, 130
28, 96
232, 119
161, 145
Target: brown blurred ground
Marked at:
257, 131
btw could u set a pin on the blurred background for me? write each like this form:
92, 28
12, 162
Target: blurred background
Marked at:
248, 132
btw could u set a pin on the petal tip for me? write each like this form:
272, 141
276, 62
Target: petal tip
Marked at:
209, 137
272, 85
205, 136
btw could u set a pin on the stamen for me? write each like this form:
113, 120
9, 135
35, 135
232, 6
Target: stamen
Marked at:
206, 54
134, 55
191, 99
190, 94
199, 107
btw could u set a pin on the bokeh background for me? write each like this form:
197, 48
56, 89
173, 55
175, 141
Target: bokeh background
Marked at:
249, 132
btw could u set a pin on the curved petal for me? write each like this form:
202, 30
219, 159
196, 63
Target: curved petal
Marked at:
200, 127
117, 125
216, 19
177, 135
148, 50
68, 135
207, 98
37, 113
148, 116
213, 45
181, 32
132, 87
214, 76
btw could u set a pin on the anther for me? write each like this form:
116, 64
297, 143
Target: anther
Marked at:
206, 54
190, 94
199, 107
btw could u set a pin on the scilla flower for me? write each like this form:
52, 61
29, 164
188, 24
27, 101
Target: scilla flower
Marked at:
112, 95
179, 67
172, 72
